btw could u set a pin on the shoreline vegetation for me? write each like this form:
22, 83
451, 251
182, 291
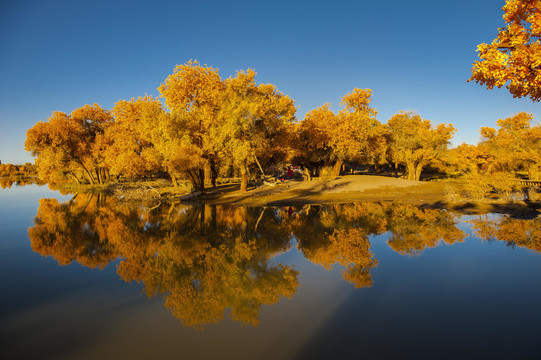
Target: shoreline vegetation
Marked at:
448, 194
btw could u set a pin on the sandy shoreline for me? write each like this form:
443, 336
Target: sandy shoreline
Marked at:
344, 189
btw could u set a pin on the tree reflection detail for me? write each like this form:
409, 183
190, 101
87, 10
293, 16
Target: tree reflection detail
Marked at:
207, 261
514, 232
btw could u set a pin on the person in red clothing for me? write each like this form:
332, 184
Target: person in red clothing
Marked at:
289, 171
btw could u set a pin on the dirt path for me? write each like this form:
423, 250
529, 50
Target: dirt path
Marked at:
343, 189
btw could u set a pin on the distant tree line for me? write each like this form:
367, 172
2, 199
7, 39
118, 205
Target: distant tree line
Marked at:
18, 171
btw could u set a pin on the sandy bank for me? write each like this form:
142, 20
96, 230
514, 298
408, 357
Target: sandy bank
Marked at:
343, 189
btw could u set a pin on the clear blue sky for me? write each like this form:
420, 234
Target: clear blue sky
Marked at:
414, 55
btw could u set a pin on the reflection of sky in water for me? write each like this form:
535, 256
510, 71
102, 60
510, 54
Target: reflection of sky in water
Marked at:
472, 299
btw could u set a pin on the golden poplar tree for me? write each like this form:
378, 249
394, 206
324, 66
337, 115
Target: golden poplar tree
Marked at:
415, 143
312, 139
193, 94
513, 59
359, 136
354, 134
127, 146
66, 144
256, 121
515, 144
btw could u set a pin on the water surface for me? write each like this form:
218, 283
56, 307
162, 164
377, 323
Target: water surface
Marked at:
84, 278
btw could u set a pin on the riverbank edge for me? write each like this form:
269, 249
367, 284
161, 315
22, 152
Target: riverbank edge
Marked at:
347, 189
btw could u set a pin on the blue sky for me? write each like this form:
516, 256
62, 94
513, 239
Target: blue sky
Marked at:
414, 55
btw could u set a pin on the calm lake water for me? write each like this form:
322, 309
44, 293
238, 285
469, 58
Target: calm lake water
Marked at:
87, 278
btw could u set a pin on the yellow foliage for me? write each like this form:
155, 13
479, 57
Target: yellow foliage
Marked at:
515, 232
354, 134
66, 144
128, 149
415, 143
415, 229
515, 145
193, 256
513, 59
470, 158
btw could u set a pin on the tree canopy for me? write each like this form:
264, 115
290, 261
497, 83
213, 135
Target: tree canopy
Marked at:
516, 144
208, 126
67, 143
513, 59
415, 143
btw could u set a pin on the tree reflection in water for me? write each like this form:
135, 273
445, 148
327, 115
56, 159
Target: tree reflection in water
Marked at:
206, 259
414, 229
7, 182
515, 232
203, 259
338, 234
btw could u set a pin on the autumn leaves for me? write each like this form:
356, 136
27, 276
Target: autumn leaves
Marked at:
209, 125
513, 59
68, 145
355, 135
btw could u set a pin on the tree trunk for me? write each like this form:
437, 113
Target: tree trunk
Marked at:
89, 177
75, 177
103, 174
196, 178
213, 174
97, 171
418, 171
201, 178
337, 168
411, 170
88, 174
210, 173
307, 174
260, 167
243, 177
230, 171
173, 179
208, 177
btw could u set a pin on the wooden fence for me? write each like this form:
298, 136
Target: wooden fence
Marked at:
535, 183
